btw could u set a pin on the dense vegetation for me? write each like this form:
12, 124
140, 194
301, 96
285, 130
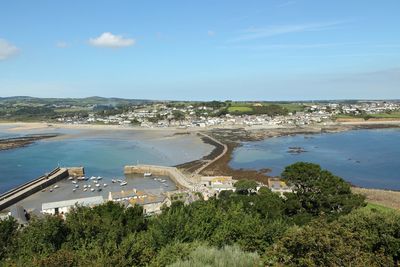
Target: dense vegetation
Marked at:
321, 224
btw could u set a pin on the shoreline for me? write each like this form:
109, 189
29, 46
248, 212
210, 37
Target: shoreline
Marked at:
234, 138
19, 142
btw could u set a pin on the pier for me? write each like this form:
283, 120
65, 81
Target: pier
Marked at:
176, 175
17, 194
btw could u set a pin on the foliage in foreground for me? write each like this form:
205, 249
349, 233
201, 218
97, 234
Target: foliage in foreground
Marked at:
307, 228
229, 256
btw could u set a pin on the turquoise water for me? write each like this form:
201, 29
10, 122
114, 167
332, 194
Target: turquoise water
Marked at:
367, 158
102, 155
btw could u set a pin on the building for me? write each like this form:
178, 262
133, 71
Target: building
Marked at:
62, 207
218, 183
151, 203
278, 186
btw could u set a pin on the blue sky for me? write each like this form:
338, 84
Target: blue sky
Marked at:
201, 50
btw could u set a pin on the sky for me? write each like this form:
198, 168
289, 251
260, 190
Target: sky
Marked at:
201, 50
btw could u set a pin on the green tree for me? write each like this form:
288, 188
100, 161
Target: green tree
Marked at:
245, 187
8, 232
319, 192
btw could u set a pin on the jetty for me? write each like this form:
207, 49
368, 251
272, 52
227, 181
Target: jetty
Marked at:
25, 190
174, 173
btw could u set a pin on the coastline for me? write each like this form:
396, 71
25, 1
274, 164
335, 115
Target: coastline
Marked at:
233, 138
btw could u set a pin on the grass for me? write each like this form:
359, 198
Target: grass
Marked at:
393, 115
377, 207
239, 109
380, 198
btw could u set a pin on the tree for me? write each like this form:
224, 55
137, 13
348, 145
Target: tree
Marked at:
319, 192
8, 231
245, 187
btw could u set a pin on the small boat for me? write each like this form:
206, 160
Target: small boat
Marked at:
99, 178
56, 186
76, 186
104, 185
92, 189
89, 186
85, 189
51, 190
99, 190
147, 174
93, 178
44, 190
119, 180
123, 183
74, 182
73, 190
113, 181
84, 186
163, 181
97, 185
70, 178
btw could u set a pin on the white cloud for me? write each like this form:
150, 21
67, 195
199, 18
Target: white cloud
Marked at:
110, 40
258, 33
7, 50
62, 44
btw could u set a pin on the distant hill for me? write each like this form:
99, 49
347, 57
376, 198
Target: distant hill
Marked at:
93, 100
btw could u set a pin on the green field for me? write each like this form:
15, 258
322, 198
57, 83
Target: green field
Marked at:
393, 115
239, 109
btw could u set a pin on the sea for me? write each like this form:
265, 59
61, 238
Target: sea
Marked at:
366, 158
101, 154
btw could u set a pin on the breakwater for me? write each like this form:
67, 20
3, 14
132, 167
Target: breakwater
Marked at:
176, 175
25, 190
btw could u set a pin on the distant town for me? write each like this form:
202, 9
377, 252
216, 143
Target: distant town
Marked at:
153, 114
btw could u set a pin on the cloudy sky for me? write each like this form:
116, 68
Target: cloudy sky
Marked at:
201, 50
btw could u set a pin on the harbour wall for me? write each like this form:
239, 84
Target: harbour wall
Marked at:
25, 190
176, 175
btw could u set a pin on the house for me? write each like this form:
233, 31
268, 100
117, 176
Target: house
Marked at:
151, 203
62, 207
218, 183
278, 186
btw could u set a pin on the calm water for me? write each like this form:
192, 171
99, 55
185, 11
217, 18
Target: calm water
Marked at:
368, 158
101, 155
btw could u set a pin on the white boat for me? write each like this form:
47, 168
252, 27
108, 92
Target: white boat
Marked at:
85, 189
97, 185
163, 181
119, 180
123, 183
147, 174
73, 190
113, 181
70, 178
99, 178
84, 186
93, 178
51, 190
89, 186
76, 186
74, 182
56, 186
92, 189
81, 178
104, 185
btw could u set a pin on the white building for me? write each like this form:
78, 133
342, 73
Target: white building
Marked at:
62, 207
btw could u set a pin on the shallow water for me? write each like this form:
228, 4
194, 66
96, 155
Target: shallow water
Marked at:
367, 158
101, 153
